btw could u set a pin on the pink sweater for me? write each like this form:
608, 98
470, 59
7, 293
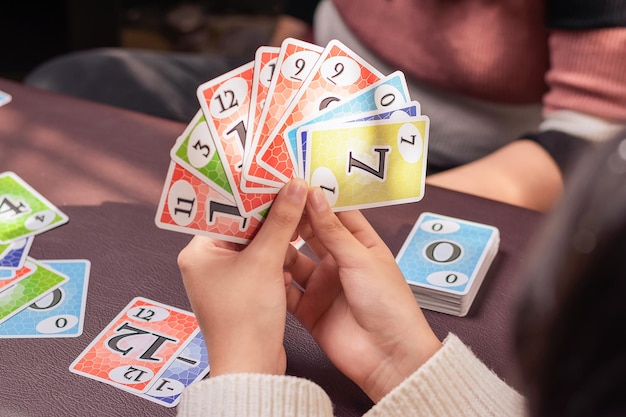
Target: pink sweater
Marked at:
497, 51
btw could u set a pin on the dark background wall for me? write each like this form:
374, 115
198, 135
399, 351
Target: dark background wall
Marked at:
32, 32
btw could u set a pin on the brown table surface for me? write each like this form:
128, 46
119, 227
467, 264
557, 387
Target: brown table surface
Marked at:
105, 168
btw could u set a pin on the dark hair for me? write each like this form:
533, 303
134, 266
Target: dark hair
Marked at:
571, 318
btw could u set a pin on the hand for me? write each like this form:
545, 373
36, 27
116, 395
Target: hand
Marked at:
356, 303
238, 293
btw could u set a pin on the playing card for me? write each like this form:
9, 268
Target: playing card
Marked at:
13, 255
395, 113
191, 365
383, 95
225, 102
369, 164
445, 259
137, 346
264, 66
5, 98
11, 276
195, 150
264, 69
23, 211
192, 206
61, 312
294, 64
338, 73
23, 292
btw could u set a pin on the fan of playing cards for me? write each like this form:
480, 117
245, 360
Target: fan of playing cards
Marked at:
323, 114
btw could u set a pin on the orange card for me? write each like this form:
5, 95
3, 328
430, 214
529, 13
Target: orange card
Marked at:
295, 62
137, 346
225, 102
338, 73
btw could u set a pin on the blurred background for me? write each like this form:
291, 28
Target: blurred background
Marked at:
32, 32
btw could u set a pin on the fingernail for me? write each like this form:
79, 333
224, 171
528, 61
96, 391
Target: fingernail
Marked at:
296, 190
318, 200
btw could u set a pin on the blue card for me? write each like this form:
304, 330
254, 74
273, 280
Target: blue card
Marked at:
14, 254
190, 366
60, 313
447, 254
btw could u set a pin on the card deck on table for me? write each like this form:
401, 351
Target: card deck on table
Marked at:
23, 211
37, 283
369, 164
14, 254
338, 73
137, 346
61, 312
444, 259
191, 365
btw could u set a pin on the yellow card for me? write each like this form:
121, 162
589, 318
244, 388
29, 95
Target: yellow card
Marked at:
369, 164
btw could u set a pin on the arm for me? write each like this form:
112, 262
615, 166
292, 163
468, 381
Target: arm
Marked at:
355, 303
521, 173
586, 102
453, 382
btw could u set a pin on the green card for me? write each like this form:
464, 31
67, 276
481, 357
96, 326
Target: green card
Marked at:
195, 150
41, 281
23, 211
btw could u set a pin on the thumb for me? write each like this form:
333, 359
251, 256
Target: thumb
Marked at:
282, 220
330, 231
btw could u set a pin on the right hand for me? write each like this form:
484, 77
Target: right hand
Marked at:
356, 303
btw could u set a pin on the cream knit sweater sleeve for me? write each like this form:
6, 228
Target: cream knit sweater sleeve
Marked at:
452, 383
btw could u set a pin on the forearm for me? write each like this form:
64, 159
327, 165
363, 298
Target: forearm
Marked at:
521, 173
254, 395
452, 383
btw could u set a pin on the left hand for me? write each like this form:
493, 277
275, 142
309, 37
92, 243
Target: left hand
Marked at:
238, 293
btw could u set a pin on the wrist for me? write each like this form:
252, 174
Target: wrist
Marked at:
241, 350
397, 367
250, 359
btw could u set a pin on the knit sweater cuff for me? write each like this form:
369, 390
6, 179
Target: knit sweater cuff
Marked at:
254, 395
451, 383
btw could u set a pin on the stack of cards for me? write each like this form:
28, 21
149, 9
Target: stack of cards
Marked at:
150, 349
37, 298
323, 114
445, 259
